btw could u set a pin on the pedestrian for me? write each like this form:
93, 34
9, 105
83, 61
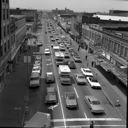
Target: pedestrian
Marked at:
78, 48
91, 124
92, 63
86, 57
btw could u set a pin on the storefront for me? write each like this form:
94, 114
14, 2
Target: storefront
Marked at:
4, 69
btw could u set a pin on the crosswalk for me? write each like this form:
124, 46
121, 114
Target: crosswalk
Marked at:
87, 119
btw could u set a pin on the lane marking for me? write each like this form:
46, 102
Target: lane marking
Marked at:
76, 92
87, 119
80, 126
59, 94
85, 115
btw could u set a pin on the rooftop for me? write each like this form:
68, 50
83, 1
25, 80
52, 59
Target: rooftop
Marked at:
114, 18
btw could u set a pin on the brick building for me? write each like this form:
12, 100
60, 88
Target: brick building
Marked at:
5, 44
109, 40
18, 34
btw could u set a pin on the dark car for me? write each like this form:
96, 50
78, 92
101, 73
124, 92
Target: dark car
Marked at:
77, 59
71, 64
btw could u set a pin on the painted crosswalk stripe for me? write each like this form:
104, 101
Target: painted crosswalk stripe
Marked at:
87, 119
96, 126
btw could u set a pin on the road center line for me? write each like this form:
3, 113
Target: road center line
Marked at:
76, 92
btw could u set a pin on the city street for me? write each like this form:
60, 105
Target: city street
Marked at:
12, 98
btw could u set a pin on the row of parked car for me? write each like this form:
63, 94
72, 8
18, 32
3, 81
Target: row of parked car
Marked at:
36, 72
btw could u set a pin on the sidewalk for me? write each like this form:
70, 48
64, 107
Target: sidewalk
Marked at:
12, 97
113, 92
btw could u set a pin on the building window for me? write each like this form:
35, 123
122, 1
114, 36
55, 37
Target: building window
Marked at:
8, 44
122, 51
126, 53
8, 29
7, 13
5, 47
1, 51
4, 14
7, 1
4, 31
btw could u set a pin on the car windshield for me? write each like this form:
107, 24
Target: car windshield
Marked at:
81, 77
72, 96
35, 78
93, 79
95, 102
87, 70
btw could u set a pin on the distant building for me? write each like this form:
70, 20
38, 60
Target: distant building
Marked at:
31, 16
65, 11
5, 44
118, 13
108, 39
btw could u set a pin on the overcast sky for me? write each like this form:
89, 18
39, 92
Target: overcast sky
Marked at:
76, 5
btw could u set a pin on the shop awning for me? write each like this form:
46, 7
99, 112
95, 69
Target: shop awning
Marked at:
105, 66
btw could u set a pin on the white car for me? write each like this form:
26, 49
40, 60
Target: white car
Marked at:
94, 104
36, 68
80, 79
93, 82
47, 51
86, 72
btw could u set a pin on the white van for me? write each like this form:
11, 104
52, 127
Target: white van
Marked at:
65, 75
64, 70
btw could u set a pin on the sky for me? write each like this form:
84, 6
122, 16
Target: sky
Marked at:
75, 5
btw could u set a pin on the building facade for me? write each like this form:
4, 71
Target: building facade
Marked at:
5, 44
112, 46
31, 16
18, 29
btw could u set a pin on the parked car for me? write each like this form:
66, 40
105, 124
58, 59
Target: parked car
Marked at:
80, 79
51, 97
66, 55
94, 104
36, 68
93, 82
47, 51
87, 72
34, 79
71, 100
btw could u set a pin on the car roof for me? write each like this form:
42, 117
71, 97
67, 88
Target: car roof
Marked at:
87, 69
92, 98
49, 73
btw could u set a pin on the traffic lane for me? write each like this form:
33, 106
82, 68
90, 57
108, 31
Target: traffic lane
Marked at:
70, 113
112, 95
55, 108
57, 115
63, 89
87, 90
109, 109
